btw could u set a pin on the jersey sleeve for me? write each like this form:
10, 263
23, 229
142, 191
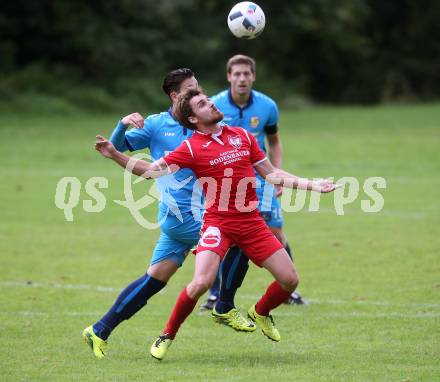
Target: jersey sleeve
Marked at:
138, 139
118, 137
182, 156
256, 154
273, 115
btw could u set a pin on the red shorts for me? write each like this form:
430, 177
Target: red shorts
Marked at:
249, 232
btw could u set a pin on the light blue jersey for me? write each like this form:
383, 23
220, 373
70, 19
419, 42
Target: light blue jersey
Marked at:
163, 134
258, 116
178, 206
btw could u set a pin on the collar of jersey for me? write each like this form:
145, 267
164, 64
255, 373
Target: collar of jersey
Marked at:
214, 136
249, 103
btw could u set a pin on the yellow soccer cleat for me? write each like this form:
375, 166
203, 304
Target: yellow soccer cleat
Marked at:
265, 323
233, 319
98, 346
160, 347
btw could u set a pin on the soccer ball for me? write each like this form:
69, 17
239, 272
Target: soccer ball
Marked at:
246, 20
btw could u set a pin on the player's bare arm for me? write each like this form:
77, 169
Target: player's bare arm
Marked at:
275, 149
278, 176
136, 166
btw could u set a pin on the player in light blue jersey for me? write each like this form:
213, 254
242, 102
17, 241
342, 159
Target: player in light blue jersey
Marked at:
257, 113
179, 213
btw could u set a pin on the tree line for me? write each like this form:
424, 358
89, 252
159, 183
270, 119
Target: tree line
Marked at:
336, 51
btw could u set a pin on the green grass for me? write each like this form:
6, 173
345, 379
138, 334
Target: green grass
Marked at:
373, 279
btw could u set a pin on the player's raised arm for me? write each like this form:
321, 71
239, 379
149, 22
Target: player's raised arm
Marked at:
118, 137
136, 166
280, 177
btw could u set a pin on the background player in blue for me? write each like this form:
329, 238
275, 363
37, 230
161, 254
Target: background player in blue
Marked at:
179, 216
257, 113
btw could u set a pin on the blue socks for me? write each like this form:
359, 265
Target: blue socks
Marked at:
234, 269
130, 301
215, 287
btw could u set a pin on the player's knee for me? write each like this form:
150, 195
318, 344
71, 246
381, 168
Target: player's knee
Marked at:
200, 285
290, 281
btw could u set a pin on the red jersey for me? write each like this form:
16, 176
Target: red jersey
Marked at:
223, 164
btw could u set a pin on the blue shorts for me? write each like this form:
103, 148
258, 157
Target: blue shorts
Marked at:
269, 205
176, 238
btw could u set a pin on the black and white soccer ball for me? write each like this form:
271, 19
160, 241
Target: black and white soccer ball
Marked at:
246, 20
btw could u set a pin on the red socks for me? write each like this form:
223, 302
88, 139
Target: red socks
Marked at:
182, 309
274, 296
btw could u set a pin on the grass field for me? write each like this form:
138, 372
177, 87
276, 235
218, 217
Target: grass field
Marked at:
373, 280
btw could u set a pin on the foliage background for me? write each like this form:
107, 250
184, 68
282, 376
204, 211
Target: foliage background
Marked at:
112, 54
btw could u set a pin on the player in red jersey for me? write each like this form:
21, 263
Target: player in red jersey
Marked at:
223, 159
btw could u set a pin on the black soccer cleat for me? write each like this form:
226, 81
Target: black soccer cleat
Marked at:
295, 299
208, 304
